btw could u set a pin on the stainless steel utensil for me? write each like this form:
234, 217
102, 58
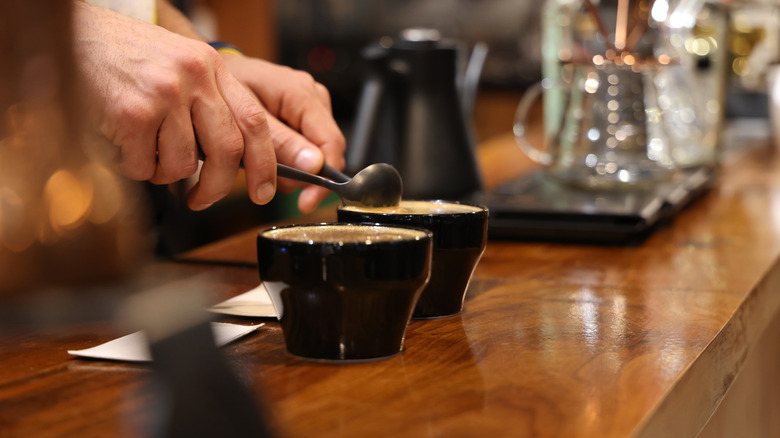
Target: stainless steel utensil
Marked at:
378, 185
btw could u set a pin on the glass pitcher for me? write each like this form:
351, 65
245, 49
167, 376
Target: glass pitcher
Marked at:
621, 96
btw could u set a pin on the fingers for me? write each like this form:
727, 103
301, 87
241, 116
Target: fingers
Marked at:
177, 156
322, 130
293, 149
138, 147
297, 99
324, 95
314, 119
311, 197
258, 155
223, 145
154, 93
138, 162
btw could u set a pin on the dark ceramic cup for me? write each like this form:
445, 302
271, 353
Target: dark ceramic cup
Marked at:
459, 239
344, 292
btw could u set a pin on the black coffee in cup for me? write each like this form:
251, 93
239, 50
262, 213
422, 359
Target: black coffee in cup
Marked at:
459, 239
344, 292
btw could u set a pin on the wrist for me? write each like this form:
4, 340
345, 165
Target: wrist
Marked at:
225, 48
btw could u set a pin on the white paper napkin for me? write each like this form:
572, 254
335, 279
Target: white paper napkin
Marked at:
256, 303
134, 347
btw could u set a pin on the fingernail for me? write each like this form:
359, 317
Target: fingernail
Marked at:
265, 192
307, 160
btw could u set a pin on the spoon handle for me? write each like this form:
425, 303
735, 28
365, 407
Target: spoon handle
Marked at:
331, 173
299, 175
288, 172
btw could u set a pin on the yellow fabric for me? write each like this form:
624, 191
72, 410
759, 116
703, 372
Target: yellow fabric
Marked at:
230, 50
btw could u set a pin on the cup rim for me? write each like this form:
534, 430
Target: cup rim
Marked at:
480, 209
427, 234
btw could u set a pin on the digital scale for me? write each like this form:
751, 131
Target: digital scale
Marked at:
536, 207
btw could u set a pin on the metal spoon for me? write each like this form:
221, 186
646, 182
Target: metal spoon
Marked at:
378, 185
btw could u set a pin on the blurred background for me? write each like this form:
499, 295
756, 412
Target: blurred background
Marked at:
326, 37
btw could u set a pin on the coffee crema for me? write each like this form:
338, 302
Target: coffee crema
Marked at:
459, 238
418, 207
343, 234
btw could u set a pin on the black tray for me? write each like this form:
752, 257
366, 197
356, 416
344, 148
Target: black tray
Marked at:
536, 207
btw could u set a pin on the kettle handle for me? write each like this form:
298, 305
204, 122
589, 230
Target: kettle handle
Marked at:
527, 101
471, 77
367, 113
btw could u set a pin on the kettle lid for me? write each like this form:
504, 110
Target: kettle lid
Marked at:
425, 38
420, 35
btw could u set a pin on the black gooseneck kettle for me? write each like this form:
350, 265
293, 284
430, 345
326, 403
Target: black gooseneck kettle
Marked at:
415, 112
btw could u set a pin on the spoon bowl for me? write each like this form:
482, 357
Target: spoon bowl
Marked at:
378, 185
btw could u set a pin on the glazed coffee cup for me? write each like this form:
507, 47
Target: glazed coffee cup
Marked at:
344, 292
459, 239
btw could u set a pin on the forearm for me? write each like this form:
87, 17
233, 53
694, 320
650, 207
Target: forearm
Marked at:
172, 19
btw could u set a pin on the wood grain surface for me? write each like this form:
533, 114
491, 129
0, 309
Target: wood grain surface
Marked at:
555, 340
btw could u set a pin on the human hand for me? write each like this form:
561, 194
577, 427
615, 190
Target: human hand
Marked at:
299, 116
153, 92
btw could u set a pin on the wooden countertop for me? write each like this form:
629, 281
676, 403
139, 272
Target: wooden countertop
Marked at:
555, 340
